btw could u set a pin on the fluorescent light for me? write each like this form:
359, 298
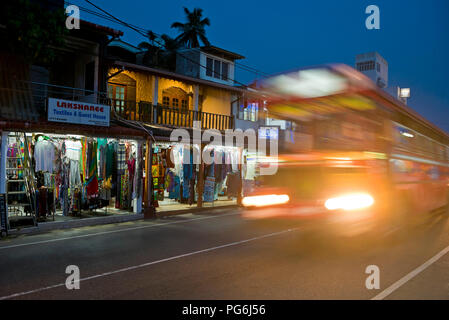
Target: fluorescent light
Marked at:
409, 135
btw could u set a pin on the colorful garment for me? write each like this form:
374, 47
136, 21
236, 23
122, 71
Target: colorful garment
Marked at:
124, 191
92, 181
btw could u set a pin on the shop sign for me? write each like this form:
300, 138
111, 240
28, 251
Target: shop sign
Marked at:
78, 112
271, 133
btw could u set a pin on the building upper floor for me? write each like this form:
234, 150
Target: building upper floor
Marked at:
93, 65
158, 96
76, 72
209, 63
374, 66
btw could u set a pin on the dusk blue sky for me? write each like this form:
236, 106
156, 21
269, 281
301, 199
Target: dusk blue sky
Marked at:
275, 36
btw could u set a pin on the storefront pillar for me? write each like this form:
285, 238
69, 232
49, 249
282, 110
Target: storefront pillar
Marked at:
195, 97
240, 189
155, 90
4, 156
137, 202
149, 211
200, 187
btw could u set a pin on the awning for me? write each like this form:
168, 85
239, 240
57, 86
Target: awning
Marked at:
114, 131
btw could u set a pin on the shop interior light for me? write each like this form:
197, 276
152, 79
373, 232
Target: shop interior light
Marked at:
407, 134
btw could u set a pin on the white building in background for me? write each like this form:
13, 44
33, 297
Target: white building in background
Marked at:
374, 66
208, 63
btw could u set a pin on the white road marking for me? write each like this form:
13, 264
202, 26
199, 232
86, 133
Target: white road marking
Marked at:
113, 231
151, 263
411, 275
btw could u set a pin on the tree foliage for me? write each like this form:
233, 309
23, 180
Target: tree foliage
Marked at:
193, 30
160, 51
33, 31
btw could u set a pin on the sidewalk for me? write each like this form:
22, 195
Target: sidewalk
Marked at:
160, 212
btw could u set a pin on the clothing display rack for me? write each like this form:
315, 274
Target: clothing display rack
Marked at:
20, 184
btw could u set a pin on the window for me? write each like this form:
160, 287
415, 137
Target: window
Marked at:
217, 65
224, 71
249, 111
217, 69
184, 105
176, 98
364, 66
117, 94
209, 67
166, 101
441, 154
89, 77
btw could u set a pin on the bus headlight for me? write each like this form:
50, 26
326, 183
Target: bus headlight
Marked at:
351, 201
265, 200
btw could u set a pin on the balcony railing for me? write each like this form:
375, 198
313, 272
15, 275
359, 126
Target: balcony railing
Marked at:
24, 100
173, 117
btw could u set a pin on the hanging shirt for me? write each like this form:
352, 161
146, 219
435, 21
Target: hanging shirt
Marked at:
175, 192
101, 157
121, 158
44, 155
73, 150
110, 158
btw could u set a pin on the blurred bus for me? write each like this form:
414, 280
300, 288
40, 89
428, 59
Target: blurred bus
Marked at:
353, 153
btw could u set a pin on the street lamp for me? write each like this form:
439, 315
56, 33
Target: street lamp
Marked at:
403, 94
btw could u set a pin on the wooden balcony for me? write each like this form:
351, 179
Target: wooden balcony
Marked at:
172, 117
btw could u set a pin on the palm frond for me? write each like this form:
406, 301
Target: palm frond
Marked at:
204, 39
205, 22
178, 25
193, 30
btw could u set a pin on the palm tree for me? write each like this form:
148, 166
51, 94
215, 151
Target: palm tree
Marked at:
168, 55
152, 51
192, 29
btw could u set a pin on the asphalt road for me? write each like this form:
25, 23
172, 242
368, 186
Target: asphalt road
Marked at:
223, 256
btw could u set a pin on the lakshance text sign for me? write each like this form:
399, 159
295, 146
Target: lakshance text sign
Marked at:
78, 112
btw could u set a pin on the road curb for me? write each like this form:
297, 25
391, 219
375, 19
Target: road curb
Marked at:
60, 225
161, 214
56, 225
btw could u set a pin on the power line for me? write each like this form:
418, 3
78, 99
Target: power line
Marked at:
103, 16
117, 19
159, 43
144, 32
140, 30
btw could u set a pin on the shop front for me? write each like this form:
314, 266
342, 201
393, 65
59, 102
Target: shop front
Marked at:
60, 172
177, 181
